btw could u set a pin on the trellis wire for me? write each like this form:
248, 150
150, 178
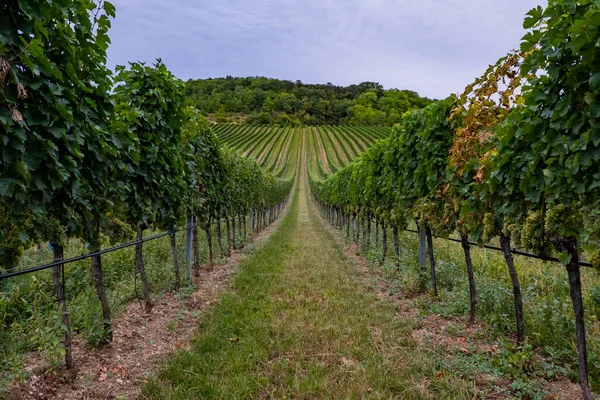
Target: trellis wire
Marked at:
513, 250
42, 267
491, 247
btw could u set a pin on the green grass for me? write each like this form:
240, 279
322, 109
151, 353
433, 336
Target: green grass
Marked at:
29, 317
339, 142
301, 322
549, 351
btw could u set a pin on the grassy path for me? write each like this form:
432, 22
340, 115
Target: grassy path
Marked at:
300, 322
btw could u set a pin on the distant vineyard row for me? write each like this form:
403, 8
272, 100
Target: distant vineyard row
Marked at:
329, 148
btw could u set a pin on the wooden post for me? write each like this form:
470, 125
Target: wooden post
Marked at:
173, 240
196, 249
139, 259
188, 247
472, 287
59, 290
422, 249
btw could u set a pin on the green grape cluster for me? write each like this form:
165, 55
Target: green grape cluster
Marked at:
448, 209
554, 219
489, 227
532, 235
51, 229
472, 225
562, 222
11, 251
118, 231
393, 216
514, 231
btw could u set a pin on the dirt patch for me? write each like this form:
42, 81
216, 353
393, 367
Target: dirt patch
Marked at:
140, 340
283, 155
270, 145
322, 153
262, 138
359, 141
232, 118
449, 336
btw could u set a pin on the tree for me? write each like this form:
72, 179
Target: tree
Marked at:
367, 99
268, 105
287, 102
221, 115
327, 104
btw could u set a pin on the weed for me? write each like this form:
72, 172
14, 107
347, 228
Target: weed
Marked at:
548, 310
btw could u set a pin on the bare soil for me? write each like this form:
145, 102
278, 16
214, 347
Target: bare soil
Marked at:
272, 143
233, 118
322, 154
283, 154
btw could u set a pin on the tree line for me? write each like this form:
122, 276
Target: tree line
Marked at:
273, 101
101, 156
515, 158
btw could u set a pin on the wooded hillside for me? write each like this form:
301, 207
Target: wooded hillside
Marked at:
265, 101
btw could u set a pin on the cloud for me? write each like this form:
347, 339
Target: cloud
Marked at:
435, 47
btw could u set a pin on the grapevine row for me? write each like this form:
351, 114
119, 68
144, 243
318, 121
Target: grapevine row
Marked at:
335, 147
104, 157
516, 157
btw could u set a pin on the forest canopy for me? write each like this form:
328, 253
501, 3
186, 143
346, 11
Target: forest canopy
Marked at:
262, 100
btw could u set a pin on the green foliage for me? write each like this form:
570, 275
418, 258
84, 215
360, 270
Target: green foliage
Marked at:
283, 119
268, 101
422, 156
80, 156
149, 105
203, 166
522, 160
247, 186
548, 149
53, 110
220, 115
401, 176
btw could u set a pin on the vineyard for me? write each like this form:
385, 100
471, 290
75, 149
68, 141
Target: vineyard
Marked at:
100, 172
453, 255
330, 148
513, 160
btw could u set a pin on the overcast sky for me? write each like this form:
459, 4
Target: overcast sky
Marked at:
435, 47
